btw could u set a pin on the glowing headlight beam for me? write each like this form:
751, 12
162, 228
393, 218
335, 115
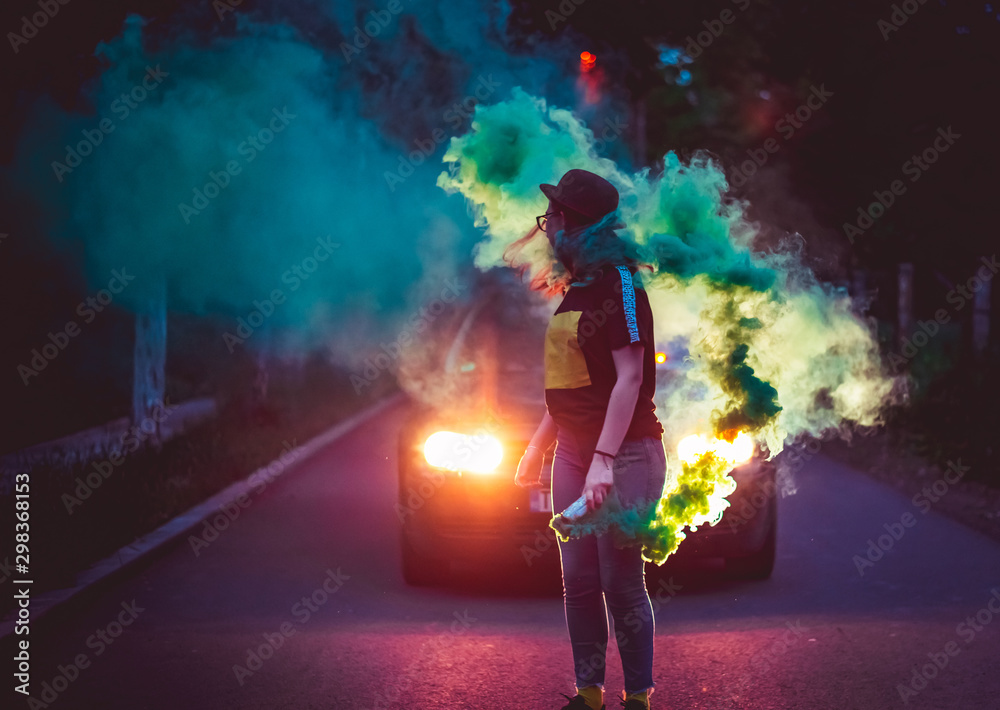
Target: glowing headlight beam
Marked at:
692, 448
479, 453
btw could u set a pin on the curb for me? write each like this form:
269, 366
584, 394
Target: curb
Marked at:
127, 556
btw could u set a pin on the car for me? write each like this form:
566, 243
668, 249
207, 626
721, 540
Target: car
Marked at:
478, 403
746, 536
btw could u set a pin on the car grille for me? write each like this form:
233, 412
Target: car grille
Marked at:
494, 529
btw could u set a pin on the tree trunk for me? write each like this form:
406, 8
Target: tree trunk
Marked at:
149, 362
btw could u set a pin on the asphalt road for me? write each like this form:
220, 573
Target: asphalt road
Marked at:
818, 634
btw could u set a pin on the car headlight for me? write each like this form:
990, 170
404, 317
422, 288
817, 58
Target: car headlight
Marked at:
694, 447
479, 453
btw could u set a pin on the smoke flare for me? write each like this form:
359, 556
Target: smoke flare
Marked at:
765, 347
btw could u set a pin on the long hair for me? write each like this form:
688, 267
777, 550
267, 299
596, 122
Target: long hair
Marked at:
546, 279
578, 255
588, 251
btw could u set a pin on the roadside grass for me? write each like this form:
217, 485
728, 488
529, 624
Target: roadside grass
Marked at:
153, 485
953, 417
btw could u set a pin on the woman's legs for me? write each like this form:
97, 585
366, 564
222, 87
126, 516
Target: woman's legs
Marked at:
586, 614
639, 473
594, 568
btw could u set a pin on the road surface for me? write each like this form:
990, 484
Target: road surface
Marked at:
298, 603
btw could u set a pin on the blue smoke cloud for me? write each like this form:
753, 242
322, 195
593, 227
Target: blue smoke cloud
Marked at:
289, 150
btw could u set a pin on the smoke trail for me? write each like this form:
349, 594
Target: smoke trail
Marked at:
771, 350
246, 169
363, 90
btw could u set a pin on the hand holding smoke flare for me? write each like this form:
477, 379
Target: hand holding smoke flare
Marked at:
771, 353
698, 497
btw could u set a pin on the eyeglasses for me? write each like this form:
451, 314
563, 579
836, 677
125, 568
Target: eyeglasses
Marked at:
543, 219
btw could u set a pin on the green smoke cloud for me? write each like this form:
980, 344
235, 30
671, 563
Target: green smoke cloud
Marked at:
770, 349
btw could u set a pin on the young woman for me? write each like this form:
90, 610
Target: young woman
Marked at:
599, 384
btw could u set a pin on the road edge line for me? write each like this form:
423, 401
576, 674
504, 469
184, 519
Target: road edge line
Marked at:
125, 557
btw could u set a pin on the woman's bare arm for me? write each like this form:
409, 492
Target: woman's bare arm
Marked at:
545, 434
621, 407
624, 395
529, 468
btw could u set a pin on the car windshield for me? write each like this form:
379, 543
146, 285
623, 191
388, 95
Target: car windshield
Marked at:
500, 353
488, 355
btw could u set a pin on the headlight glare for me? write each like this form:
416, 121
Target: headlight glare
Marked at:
478, 453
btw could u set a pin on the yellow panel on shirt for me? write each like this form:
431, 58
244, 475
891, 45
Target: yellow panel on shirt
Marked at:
565, 365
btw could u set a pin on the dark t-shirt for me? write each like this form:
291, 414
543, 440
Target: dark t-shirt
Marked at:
607, 314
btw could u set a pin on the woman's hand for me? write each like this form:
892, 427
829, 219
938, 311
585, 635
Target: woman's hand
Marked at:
600, 478
529, 468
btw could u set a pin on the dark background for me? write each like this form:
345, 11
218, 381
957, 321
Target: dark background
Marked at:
890, 97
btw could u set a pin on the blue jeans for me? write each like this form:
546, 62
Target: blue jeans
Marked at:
593, 569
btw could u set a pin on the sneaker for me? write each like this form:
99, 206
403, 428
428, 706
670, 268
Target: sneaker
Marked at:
577, 702
635, 703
